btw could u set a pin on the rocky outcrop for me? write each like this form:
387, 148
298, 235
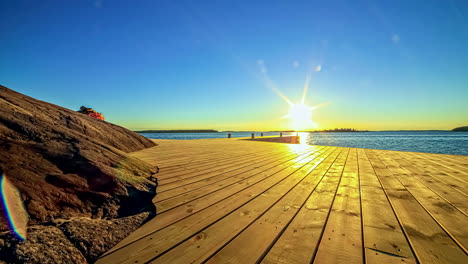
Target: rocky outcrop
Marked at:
82, 232
74, 240
68, 165
45, 244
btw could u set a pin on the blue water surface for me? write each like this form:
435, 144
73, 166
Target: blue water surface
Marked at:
443, 142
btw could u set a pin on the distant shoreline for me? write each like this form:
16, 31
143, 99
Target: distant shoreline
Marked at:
179, 131
278, 131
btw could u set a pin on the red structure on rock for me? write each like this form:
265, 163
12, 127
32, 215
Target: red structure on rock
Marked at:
90, 112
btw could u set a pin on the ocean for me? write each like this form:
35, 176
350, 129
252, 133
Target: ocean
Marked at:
443, 142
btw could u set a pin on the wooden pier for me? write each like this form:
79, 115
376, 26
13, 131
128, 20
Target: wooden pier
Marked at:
242, 201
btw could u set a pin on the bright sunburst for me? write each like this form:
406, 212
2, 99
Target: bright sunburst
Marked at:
300, 114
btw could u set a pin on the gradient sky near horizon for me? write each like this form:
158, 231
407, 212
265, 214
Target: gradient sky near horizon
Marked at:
377, 65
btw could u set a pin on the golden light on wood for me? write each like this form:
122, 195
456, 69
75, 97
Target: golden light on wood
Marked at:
240, 201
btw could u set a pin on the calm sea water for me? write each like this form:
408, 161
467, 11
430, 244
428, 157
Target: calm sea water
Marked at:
430, 141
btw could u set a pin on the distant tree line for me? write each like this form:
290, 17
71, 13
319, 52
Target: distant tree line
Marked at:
179, 131
325, 130
340, 130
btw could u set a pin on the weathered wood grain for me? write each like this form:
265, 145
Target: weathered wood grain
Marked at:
240, 201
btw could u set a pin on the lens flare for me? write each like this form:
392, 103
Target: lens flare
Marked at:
300, 114
16, 214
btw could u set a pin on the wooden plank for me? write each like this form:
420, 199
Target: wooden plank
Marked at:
233, 183
200, 161
299, 240
455, 161
263, 232
341, 241
452, 178
184, 221
445, 214
214, 177
215, 161
202, 245
440, 188
217, 194
169, 177
448, 167
194, 175
191, 152
384, 240
267, 178
429, 241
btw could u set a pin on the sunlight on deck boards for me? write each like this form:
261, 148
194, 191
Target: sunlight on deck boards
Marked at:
239, 201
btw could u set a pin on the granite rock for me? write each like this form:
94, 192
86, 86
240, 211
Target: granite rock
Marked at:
82, 192
66, 164
93, 237
45, 244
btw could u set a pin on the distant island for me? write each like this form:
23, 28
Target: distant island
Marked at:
323, 130
338, 130
179, 131
461, 129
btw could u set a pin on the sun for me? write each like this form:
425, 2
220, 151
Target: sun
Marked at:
300, 112
301, 116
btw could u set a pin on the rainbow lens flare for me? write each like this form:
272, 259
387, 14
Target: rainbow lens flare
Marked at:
16, 214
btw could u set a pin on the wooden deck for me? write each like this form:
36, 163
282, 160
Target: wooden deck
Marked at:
238, 201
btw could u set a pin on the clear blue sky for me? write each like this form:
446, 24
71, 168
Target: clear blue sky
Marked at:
198, 64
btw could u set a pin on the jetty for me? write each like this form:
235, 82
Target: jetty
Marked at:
247, 201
